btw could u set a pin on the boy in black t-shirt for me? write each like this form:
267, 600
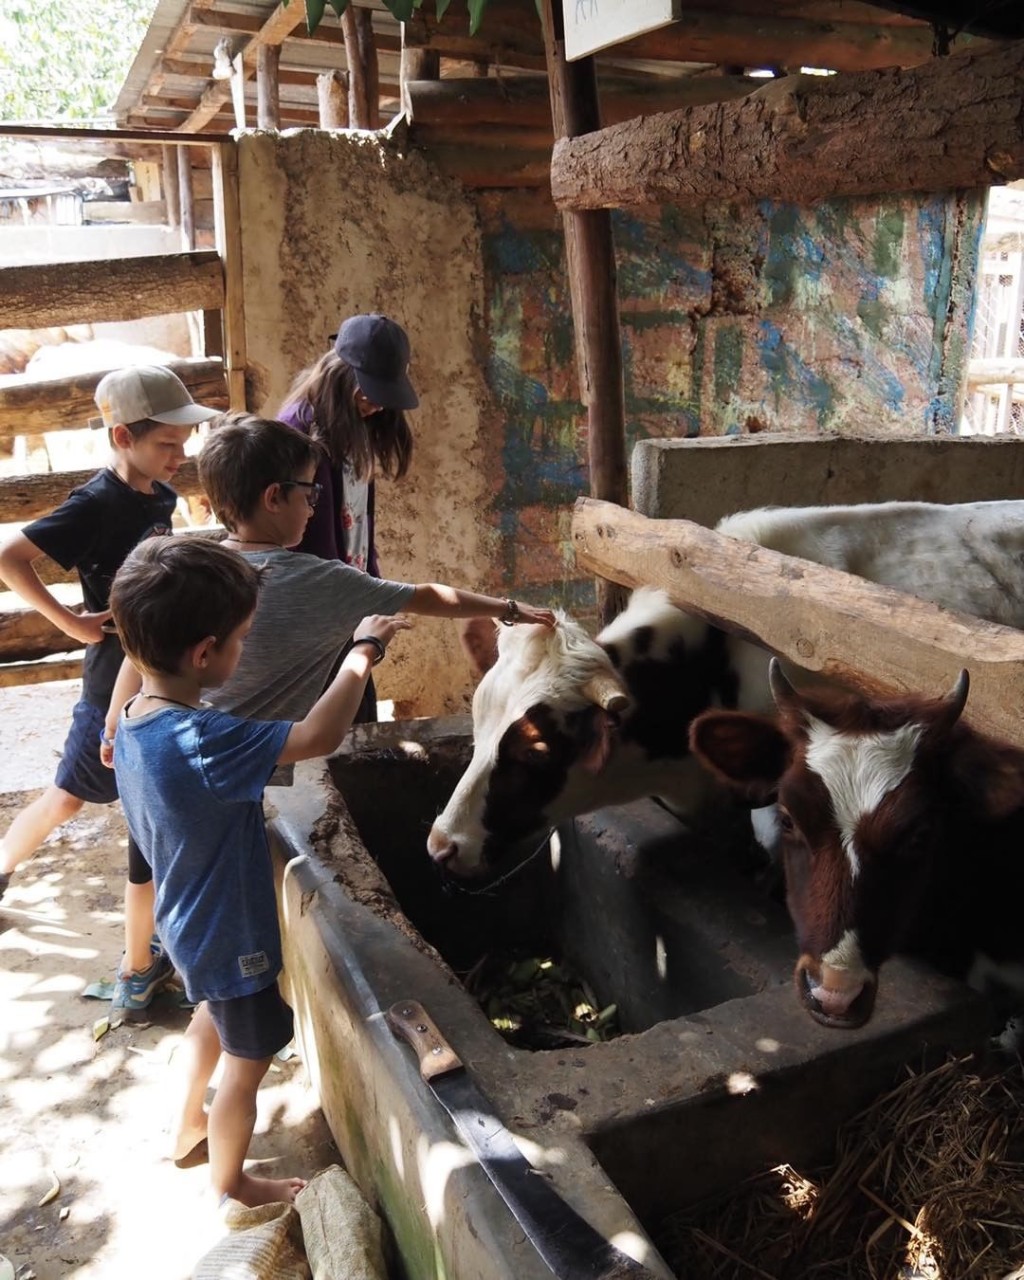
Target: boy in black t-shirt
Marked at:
150, 415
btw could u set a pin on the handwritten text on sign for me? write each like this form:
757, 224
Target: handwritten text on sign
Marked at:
595, 24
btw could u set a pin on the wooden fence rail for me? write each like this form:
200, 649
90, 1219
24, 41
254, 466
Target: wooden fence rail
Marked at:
865, 636
57, 404
117, 289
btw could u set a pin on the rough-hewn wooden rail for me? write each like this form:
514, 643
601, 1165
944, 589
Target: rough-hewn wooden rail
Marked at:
116, 289
950, 122
26, 497
32, 407
866, 636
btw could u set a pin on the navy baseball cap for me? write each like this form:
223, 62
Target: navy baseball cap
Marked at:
377, 350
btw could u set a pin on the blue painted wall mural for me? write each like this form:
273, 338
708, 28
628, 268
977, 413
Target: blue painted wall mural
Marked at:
846, 318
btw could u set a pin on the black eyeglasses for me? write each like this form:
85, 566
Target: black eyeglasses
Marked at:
313, 489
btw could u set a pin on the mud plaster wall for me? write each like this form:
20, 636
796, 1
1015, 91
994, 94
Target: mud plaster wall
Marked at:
337, 224
847, 318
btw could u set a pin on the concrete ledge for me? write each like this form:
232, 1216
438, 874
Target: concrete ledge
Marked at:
711, 477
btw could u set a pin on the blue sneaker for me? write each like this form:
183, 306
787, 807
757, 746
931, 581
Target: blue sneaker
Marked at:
134, 992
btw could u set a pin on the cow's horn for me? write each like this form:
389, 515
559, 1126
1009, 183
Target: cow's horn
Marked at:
782, 691
956, 699
606, 691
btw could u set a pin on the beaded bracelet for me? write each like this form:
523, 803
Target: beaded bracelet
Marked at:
511, 615
107, 742
377, 644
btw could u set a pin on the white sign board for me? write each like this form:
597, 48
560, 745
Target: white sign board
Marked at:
595, 24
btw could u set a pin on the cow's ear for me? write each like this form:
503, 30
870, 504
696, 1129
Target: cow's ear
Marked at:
749, 753
599, 728
479, 638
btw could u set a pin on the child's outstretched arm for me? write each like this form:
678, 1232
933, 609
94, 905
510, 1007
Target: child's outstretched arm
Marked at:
435, 600
126, 686
16, 556
331, 717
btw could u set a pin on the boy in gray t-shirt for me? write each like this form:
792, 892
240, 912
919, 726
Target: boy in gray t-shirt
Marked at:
258, 474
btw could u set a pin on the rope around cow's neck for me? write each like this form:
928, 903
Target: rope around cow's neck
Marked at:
455, 886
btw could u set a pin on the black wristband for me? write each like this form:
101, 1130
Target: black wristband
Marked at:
377, 644
511, 615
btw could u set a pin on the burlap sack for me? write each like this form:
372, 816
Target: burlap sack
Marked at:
343, 1235
265, 1244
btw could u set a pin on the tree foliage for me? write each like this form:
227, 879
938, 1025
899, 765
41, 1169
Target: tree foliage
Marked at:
401, 9
62, 65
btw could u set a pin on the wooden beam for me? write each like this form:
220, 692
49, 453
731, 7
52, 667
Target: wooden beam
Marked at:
172, 185
865, 636
994, 373
332, 92
148, 213
186, 199
363, 75
512, 36
525, 100
268, 106
273, 32
593, 289
25, 497
484, 166
22, 673
419, 66
954, 122
37, 296
28, 408
228, 221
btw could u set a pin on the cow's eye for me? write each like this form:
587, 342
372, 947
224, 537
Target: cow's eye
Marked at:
785, 822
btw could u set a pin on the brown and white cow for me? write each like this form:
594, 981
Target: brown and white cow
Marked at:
564, 724
903, 831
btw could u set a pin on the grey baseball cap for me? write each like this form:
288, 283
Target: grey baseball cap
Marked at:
148, 391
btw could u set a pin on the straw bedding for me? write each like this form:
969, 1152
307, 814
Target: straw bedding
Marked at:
928, 1184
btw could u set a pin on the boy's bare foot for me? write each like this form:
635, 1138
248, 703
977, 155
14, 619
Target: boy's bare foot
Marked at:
190, 1147
252, 1191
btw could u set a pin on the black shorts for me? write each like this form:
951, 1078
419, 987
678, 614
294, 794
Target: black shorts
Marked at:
253, 1026
81, 772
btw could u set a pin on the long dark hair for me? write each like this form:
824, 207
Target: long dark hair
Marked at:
325, 394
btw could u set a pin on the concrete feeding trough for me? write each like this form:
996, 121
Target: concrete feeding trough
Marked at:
718, 1072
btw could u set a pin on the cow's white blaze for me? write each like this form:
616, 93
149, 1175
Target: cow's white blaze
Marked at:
859, 770
845, 956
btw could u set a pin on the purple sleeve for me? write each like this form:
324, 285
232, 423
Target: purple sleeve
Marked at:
321, 536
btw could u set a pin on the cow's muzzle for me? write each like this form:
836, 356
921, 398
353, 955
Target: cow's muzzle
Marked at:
832, 997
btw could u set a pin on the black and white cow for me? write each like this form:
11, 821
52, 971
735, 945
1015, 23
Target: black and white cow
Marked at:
545, 749
903, 831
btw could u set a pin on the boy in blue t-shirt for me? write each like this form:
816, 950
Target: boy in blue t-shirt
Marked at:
149, 415
191, 780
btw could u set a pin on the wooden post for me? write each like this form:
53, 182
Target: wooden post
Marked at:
363, 75
332, 96
592, 284
186, 199
268, 102
238, 73
229, 246
169, 165
417, 64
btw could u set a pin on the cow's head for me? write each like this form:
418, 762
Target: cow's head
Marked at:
863, 800
545, 718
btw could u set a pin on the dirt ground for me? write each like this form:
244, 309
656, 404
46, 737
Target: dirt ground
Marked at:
92, 1114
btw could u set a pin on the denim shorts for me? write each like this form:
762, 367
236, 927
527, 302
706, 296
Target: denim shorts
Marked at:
254, 1026
81, 772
